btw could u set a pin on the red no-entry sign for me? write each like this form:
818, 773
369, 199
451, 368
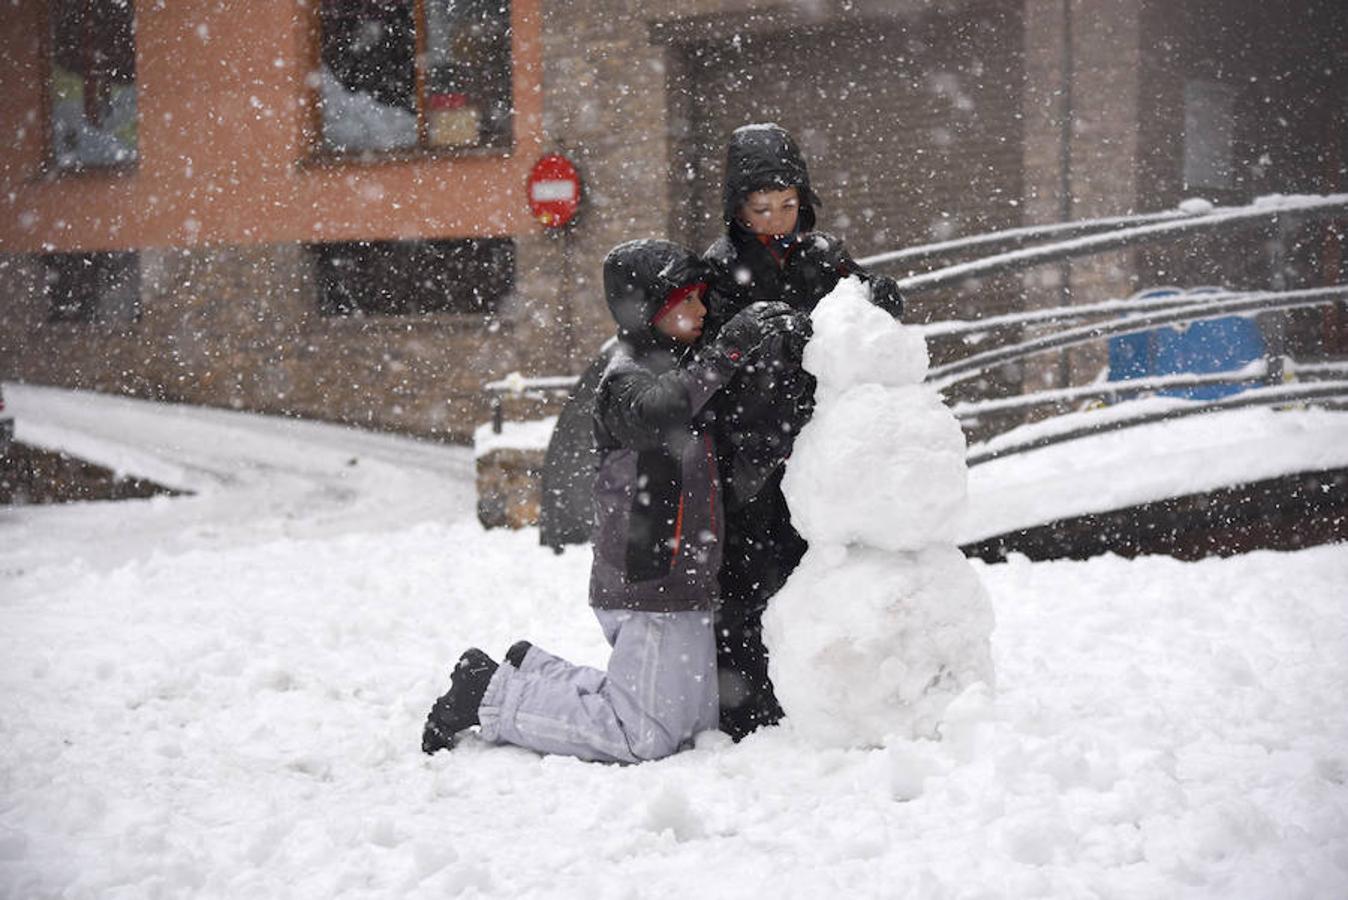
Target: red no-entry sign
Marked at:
554, 190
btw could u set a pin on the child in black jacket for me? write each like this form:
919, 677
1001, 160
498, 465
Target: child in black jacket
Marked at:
770, 251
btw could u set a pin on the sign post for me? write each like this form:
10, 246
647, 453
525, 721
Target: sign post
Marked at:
554, 197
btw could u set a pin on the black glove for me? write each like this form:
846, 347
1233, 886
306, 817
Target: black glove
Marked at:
784, 341
885, 294
813, 265
771, 398
742, 336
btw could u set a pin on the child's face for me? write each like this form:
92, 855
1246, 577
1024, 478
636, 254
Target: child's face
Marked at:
771, 212
683, 322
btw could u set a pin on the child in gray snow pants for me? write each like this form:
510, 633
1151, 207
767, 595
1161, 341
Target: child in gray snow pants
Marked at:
657, 536
659, 691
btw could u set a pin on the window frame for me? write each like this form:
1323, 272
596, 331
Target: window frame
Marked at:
51, 167
321, 153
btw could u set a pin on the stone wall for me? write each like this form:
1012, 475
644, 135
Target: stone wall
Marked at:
508, 487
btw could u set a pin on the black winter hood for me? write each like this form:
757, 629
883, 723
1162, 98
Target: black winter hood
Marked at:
765, 157
638, 276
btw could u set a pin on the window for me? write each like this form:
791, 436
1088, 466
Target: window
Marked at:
375, 95
92, 93
396, 278
93, 287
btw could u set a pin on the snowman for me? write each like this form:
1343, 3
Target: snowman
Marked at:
884, 623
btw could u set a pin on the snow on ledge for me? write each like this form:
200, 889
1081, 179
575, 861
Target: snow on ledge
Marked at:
529, 435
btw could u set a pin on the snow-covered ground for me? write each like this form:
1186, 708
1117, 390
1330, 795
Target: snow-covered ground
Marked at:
222, 695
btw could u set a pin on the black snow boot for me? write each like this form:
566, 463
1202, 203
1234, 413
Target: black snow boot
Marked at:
518, 650
457, 709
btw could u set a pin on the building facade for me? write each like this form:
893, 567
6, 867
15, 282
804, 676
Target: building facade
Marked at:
318, 207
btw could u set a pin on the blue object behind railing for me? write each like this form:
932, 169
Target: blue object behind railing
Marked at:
1227, 344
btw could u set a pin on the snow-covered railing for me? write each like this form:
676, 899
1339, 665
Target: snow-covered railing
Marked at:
1258, 372
1263, 381
1170, 227
1176, 309
1199, 308
1029, 234
515, 383
539, 387
1316, 370
1122, 417
1067, 326
972, 329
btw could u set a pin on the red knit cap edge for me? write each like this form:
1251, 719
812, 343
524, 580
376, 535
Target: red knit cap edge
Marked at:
675, 298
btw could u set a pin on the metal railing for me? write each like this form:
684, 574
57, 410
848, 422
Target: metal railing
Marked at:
1100, 236
1200, 307
1263, 382
1272, 381
516, 385
1266, 396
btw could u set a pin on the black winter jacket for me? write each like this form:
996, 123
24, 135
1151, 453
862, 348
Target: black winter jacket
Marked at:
759, 413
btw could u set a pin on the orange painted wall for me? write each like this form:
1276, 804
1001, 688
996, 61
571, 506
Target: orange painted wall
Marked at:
225, 133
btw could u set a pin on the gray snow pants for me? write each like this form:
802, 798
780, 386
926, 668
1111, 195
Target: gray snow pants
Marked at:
659, 691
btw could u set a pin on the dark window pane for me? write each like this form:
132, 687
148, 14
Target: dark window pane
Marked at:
468, 91
391, 278
93, 83
71, 286
93, 287
368, 88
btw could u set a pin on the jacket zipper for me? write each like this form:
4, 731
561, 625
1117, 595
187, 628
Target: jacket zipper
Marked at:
678, 533
714, 480
711, 503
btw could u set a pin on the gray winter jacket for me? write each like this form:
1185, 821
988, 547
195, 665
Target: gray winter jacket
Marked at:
658, 520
